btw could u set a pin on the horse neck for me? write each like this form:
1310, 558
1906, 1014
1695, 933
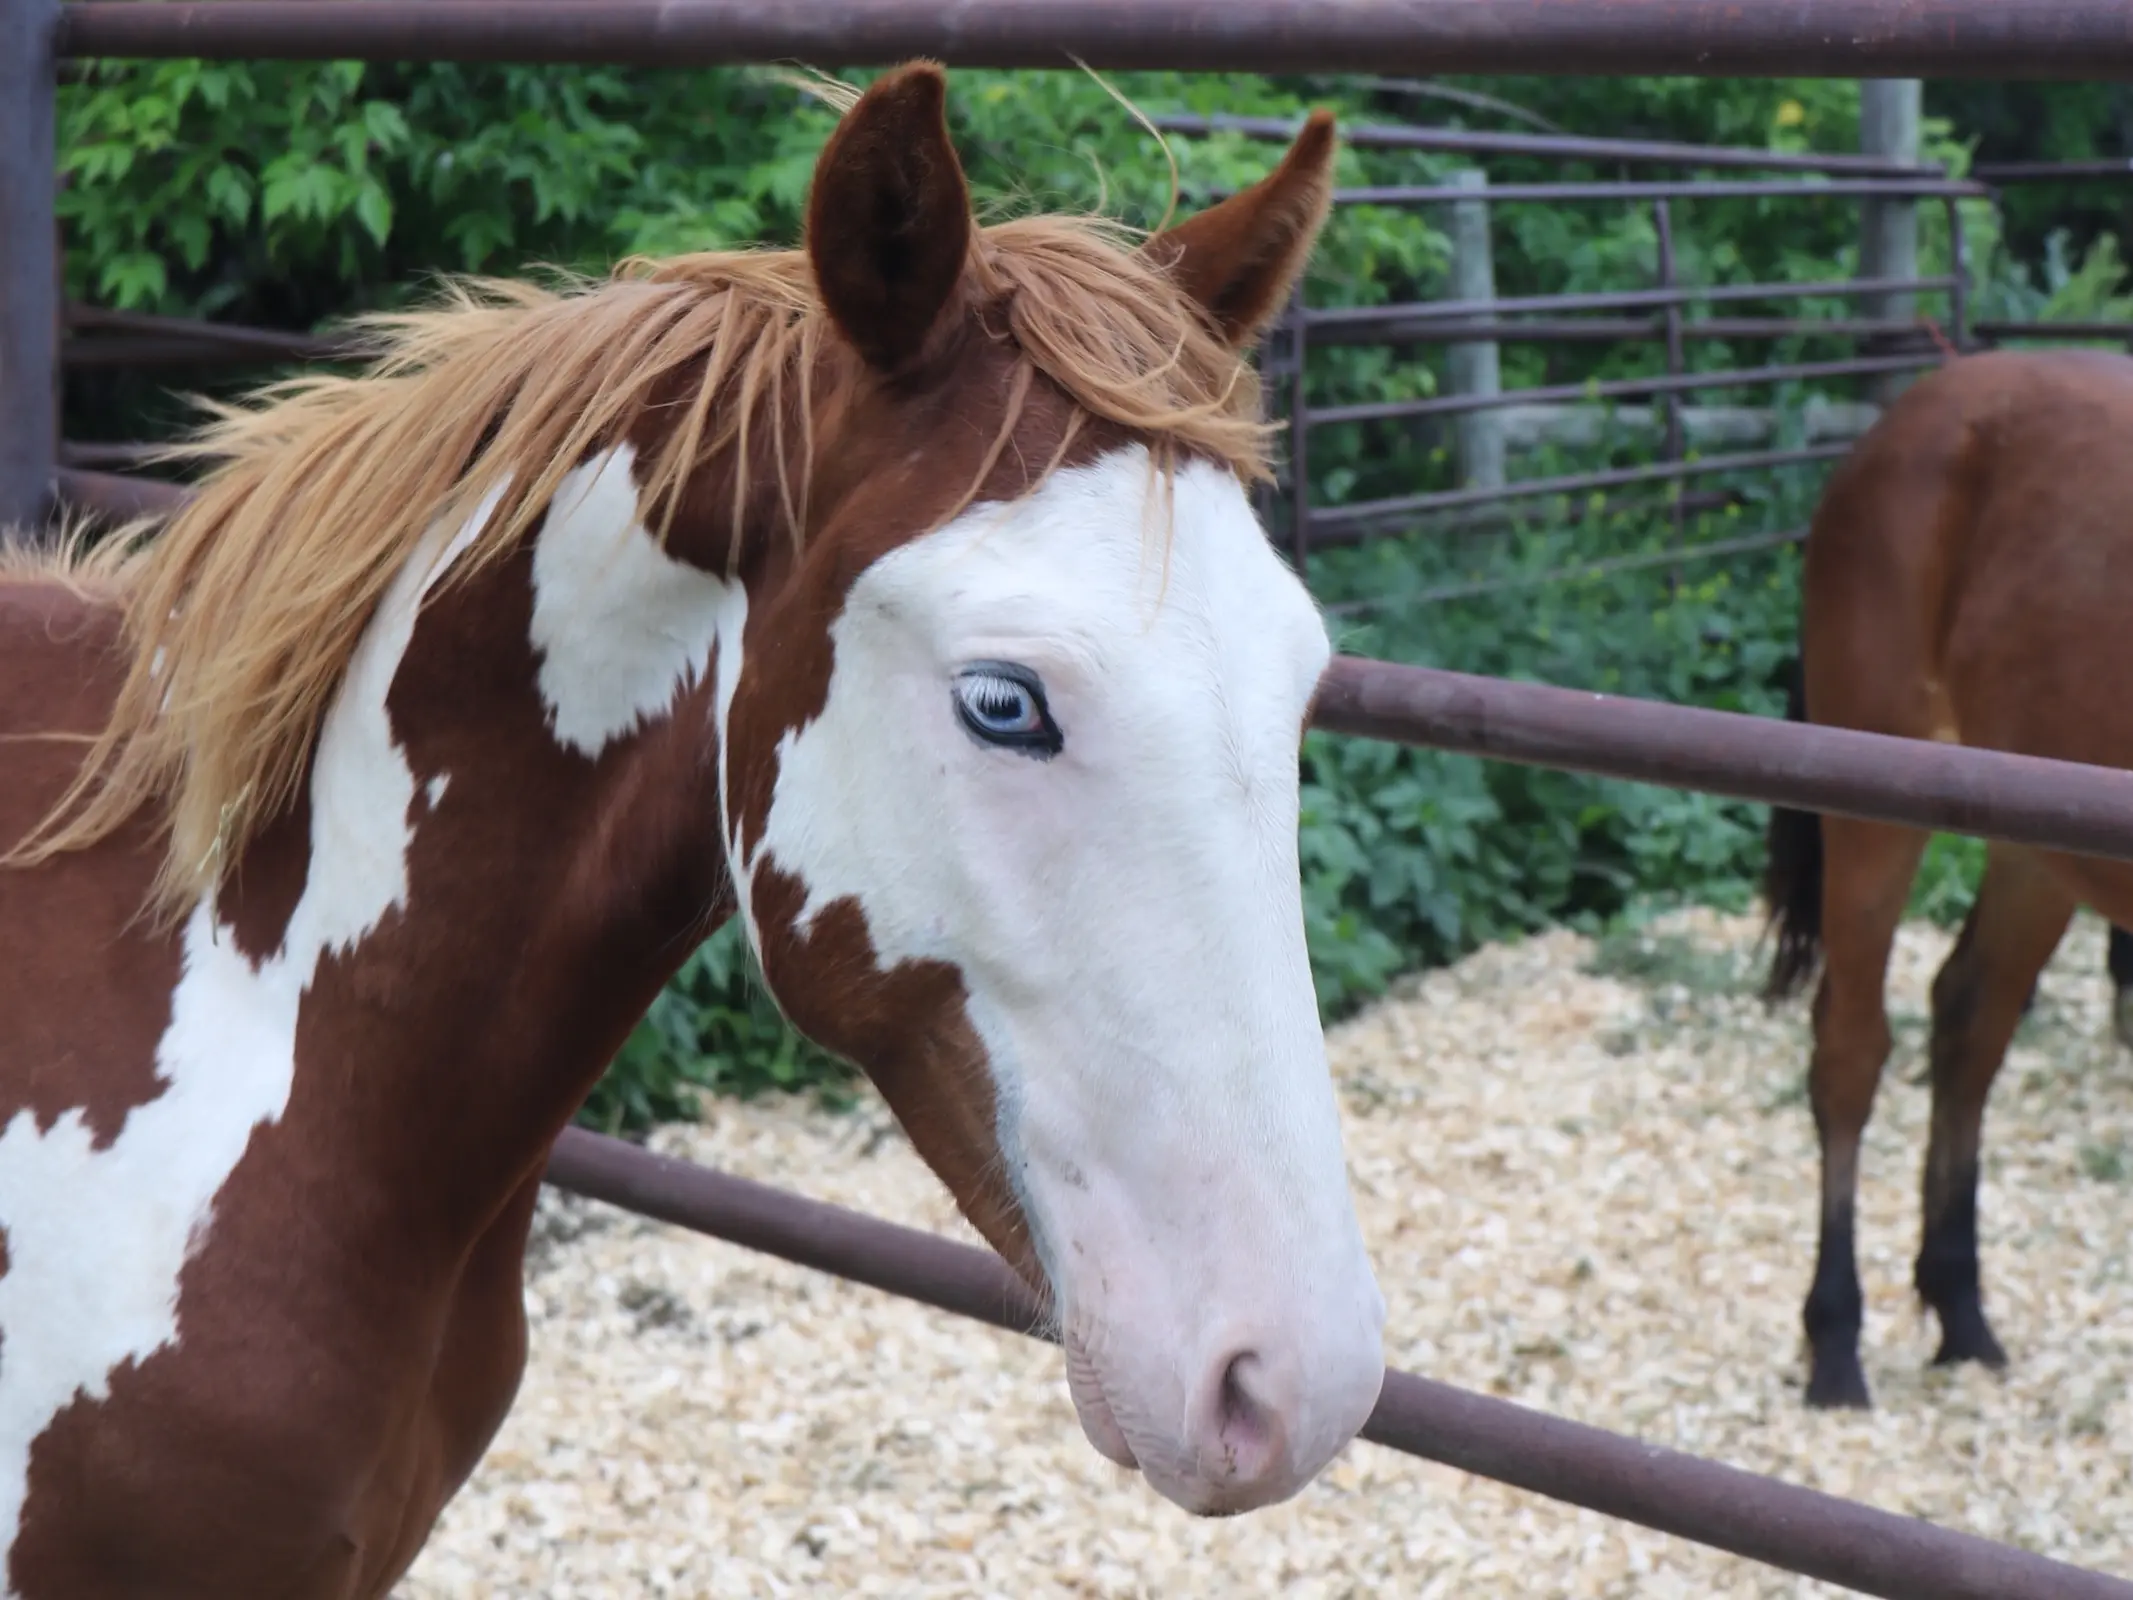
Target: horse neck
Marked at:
509, 841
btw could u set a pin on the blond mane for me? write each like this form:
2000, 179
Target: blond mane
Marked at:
240, 617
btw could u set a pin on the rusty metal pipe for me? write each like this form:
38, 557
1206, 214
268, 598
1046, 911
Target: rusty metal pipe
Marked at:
1576, 191
1799, 1530
1615, 389
1429, 330
1679, 555
1367, 513
849, 1244
1619, 299
140, 338
117, 496
2052, 39
2053, 331
1564, 147
2060, 805
1998, 172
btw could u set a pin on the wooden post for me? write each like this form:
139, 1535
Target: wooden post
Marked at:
1888, 229
1474, 368
29, 282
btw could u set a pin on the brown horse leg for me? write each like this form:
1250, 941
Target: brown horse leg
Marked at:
1867, 869
2020, 915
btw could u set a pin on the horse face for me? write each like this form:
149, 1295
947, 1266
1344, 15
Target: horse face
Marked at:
1012, 810
1053, 793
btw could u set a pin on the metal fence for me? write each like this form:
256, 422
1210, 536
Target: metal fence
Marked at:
1883, 346
1931, 785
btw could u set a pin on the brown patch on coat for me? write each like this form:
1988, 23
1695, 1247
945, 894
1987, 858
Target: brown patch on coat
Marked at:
85, 988
907, 1024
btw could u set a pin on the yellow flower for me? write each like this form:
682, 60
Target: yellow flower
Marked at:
1791, 114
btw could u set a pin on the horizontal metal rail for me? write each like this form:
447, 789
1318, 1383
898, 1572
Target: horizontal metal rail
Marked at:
1614, 389
135, 338
2052, 330
2050, 171
1614, 566
1662, 189
125, 454
1764, 1519
1492, 517
116, 496
1416, 505
1621, 299
2049, 39
1556, 147
1430, 330
2058, 805
137, 350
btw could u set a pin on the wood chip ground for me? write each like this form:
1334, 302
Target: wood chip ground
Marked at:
1592, 1193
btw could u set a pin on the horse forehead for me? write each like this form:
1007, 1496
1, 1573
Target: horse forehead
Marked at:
1108, 554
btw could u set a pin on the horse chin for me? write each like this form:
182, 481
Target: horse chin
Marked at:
1086, 1387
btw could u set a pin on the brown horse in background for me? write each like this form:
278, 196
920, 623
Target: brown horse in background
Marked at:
1969, 578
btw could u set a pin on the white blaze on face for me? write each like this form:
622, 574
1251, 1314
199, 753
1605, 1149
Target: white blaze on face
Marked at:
1127, 917
97, 1239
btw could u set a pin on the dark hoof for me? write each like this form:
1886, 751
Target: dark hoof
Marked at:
1837, 1383
1966, 1336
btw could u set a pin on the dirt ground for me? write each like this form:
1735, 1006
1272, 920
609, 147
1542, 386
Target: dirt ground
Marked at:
1587, 1177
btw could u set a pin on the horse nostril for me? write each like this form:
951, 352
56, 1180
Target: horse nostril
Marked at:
1248, 1438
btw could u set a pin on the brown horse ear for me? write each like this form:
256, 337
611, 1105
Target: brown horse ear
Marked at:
1240, 258
888, 219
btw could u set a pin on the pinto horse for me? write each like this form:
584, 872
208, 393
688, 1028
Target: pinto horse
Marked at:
900, 594
1966, 578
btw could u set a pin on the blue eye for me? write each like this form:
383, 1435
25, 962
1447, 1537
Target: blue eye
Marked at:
1003, 704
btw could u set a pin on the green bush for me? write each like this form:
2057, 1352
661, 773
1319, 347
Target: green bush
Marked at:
713, 1030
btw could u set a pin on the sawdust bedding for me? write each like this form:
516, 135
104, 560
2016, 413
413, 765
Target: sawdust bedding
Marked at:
1587, 1177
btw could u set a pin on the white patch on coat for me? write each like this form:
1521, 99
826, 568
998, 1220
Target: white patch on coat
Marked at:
97, 1239
1128, 920
620, 626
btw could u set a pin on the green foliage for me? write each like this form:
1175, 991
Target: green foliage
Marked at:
713, 1030
293, 194
1947, 879
2047, 122
1418, 855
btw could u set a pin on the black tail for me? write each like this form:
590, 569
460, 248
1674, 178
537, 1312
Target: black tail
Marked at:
1792, 878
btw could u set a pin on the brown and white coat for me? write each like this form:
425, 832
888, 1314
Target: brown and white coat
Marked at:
940, 644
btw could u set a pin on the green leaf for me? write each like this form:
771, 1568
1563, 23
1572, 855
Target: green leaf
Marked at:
374, 209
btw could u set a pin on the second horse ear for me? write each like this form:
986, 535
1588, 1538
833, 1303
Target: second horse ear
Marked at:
888, 217
1239, 259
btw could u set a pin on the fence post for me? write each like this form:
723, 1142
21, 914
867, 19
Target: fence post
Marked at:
29, 284
1474, 368
1676, 441
1888, 229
